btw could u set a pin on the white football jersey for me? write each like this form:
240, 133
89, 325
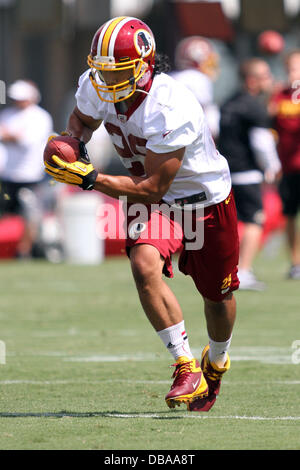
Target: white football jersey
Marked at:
166, 119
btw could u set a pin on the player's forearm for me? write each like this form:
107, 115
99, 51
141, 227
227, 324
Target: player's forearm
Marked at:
135, 188
78, 129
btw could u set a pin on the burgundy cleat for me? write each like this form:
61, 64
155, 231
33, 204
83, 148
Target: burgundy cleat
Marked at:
189, 382
213, 375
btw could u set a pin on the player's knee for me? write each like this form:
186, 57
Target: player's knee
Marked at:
145, 265
218, 306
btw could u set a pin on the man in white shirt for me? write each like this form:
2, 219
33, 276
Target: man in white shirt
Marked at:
160, 133
197, 67
24, 129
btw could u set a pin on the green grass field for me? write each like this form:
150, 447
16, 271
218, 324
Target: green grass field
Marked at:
84, 369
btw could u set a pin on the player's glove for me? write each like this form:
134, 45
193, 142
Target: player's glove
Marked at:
80, 173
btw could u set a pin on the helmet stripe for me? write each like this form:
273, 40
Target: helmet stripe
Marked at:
115, 34
108, 33
101, 38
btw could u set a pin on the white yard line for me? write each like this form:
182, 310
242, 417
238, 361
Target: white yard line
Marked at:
261, 354
201, 416
265, 357
164, 416
133, 382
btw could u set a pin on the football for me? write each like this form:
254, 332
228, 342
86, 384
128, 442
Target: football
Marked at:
270, 42
65, 147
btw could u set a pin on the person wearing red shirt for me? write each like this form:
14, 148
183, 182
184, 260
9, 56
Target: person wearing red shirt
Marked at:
285, 108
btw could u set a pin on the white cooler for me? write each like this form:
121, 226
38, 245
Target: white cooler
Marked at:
80, 238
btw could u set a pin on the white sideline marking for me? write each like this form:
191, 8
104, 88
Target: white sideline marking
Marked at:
264, 355
126, 357
264, 358
133, 382
81, 382
191, 416
164, 416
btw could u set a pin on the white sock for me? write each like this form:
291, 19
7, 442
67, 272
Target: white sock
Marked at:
218, 352
176, 341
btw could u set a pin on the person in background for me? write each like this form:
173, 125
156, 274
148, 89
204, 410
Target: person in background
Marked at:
24, 129
247, 141
197, 67
285, 109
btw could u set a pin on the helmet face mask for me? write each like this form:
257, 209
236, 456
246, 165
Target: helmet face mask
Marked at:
123, 86
123, 46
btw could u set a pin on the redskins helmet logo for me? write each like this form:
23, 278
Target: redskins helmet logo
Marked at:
143, 42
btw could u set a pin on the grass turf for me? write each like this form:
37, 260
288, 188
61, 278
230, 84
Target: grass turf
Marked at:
84, 369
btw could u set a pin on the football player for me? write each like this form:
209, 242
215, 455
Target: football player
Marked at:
197, 67
161, 135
